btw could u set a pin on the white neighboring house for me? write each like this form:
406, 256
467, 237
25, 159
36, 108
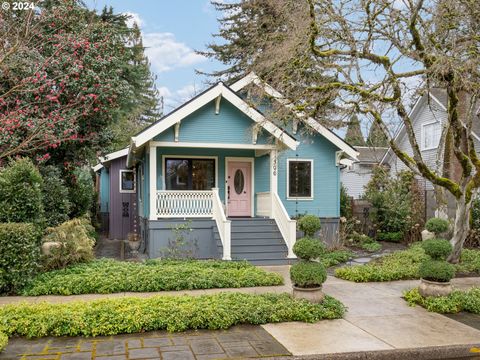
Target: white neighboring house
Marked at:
429, 116
356, 176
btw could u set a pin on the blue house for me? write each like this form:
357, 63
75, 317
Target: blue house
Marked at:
239, 179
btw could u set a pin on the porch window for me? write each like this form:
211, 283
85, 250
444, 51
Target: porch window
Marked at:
431, 133
300, 178
189, 174
127, 181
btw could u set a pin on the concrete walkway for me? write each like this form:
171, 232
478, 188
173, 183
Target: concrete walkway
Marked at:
378, 320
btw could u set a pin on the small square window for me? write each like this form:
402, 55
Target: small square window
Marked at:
127, 181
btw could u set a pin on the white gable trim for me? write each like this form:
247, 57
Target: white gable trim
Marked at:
110, 157
252, 77
203, 99
97, 167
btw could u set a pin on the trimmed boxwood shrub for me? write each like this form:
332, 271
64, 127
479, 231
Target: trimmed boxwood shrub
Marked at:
437, 249
21, 198
19, 255
307, 274
172, 313
308, 248
437, 225
436, 270
309, 224
390, 236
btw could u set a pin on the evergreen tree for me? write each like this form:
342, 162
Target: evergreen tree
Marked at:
354, 134
376, 137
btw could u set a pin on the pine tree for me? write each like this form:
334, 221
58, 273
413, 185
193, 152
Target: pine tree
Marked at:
354, 134
376, 137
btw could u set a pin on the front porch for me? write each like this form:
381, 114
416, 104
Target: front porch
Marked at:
239, 192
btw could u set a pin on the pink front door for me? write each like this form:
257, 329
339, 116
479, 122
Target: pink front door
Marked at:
239, 188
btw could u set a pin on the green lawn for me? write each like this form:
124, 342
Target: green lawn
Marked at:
107, 276
171, 313
457, 301
403, 265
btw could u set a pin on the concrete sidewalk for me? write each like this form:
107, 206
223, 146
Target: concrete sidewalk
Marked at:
377, 319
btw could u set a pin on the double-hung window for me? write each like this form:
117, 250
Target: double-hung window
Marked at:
431, 133
189, 174
300, 179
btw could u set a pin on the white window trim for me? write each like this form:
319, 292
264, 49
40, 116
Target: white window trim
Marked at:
188, 157
305, 198
134, 182
422, 147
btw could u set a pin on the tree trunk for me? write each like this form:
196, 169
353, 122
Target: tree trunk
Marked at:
460, 229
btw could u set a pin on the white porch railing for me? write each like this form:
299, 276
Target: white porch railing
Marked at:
194, 203
223, 225
184, 203
269, 204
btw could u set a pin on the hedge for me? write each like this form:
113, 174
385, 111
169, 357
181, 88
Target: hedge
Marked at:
107, 276
3, 341
455, 302
19, 255
171, 313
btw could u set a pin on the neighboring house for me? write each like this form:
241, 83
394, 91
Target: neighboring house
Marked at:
238, 177
354, 177
429, 116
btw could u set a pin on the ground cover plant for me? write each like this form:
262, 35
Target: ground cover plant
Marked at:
109, 276
335, 257
172, 313
403, 265
455, 302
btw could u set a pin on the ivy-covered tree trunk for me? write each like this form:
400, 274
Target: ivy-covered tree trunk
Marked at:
460, 228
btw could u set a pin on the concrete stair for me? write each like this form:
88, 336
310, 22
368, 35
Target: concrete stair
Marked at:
257, 240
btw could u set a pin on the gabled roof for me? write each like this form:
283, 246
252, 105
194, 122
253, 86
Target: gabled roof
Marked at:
212, 93
369, 154
328, 134
439, 96
109, 157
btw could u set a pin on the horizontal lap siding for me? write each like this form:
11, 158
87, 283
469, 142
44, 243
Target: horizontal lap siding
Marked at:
230, 126
355, 180
326, 200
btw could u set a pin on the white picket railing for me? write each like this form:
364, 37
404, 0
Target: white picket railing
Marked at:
223, 225
184, 203
287, 226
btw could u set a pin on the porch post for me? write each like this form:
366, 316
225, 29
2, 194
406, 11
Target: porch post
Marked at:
273, 177
153, 182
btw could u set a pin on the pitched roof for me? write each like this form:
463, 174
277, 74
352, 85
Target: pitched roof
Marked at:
314, 124
109, 157
370, 154
215, 91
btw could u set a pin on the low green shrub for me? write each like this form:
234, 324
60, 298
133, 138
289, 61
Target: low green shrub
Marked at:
358, 240
309, 224
21, 193
335, 257
436, 270
3, 341
76, 244
390, 236
372, 247
19, 255
403, 265
455, 302
437, 249
171, 313
400, 265
107, 276
308, 274
437, 225
308, 248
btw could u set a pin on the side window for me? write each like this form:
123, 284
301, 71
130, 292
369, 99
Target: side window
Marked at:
300, 179
127, 181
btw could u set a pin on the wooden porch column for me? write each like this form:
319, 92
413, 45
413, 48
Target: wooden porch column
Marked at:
153, 182
273, 178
